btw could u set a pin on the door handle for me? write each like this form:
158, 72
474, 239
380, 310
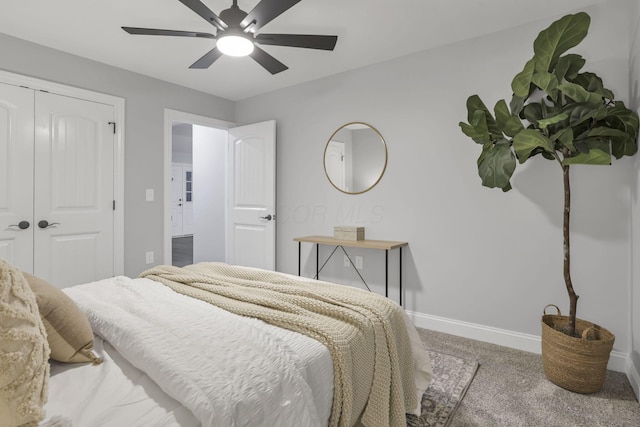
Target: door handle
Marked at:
268, 217
45, 224
22, 225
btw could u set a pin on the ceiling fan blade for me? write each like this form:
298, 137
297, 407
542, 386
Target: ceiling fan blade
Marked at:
198, 7
298, 40
266, 11
158, 32
270, 63
208, 59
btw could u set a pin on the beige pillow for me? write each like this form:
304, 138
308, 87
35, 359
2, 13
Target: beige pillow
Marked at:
68, 330
24, 353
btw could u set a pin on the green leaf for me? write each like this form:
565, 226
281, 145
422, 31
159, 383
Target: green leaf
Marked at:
568, 66
608, 133
533, 112
477, 130
475, 134
581, 112
593, 157
592, 83
508, 124
521, 83
620, 117
547, 82
496, 165
579, 94
622, 144
474, 104
528, 141
565, 138
516, 104
561, 36
543, 123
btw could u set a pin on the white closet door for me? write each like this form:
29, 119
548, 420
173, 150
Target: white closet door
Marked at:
73, 190
16, 176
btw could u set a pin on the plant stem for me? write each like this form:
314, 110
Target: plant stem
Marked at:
573, 298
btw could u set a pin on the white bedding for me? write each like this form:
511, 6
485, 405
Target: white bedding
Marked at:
171, 360
88, 395
261, 376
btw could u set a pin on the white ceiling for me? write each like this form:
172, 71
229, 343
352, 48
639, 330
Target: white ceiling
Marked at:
369, 31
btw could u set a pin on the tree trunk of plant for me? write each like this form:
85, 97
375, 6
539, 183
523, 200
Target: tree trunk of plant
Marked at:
573, 298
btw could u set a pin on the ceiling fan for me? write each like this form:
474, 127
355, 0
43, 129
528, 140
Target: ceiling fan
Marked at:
236, 33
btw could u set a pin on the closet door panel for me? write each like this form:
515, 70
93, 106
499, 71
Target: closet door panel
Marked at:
16, 176
73, 190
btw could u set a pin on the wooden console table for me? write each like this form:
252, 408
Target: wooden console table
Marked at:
385, 245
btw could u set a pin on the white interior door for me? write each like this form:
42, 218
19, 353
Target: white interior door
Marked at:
181, 200
16, 176
73, 190
335, 164
176, 200
187, 200
252, 195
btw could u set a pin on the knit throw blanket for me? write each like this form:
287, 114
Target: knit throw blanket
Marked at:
364, 332
24, 352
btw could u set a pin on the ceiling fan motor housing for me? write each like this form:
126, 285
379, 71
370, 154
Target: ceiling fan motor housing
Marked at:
233, 16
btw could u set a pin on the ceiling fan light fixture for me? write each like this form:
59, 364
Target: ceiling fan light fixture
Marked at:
234, 45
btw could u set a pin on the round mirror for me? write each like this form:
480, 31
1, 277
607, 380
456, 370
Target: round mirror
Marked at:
355, 158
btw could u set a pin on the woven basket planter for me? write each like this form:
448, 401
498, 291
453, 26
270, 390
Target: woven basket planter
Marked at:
575, 364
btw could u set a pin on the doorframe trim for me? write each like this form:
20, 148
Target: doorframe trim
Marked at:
118, 104
171, 116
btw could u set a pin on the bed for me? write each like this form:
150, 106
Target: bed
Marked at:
175, 347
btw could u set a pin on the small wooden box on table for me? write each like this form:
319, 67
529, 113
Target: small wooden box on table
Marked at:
385, 245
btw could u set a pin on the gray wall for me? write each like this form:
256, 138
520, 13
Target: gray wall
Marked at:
634, 74
146, 99
209, 193
475, 254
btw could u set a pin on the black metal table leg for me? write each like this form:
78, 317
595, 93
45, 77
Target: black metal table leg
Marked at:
386, 273
400, 268
317, 261
299, 244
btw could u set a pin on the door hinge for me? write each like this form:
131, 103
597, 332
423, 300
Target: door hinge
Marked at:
114, 127
114, 205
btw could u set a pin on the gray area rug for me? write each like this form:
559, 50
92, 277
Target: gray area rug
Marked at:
451, 378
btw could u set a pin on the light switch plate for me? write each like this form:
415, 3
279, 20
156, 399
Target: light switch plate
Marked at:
150, 196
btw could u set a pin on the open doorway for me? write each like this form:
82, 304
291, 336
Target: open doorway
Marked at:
195, 158
198, 193
182, 194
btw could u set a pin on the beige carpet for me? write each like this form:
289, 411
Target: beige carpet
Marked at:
510, 390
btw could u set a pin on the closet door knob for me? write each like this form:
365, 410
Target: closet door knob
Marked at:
22, 225
45, 224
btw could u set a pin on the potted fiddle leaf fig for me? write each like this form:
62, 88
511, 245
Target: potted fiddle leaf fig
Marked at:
567, 116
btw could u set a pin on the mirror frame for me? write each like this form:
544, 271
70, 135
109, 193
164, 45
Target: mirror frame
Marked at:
384, 166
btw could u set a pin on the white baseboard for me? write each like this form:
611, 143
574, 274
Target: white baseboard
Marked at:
618, 361
633, 373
